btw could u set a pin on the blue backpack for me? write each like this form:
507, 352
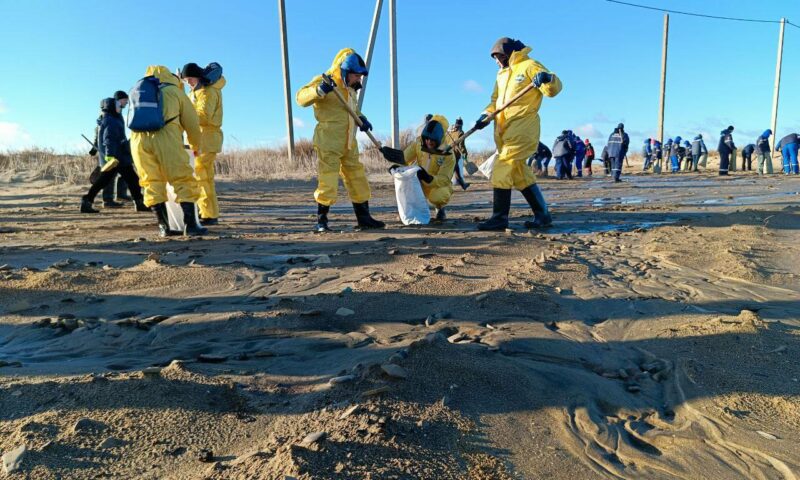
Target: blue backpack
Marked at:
146, 113
212, 73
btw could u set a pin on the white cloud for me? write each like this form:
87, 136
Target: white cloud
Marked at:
298, 123
472, 86
588, 130
12, 136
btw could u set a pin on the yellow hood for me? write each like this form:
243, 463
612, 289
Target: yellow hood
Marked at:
219, 84
336, 67
519, 56
163, 74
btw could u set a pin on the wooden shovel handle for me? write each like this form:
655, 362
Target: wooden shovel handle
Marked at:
494, 114
327, 79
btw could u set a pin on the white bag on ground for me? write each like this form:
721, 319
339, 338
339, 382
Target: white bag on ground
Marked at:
411, 202
174, 211
487, 166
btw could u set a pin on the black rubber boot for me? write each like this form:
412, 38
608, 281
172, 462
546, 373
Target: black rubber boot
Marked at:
441, 216
86, 205
365, 220
541, 214
112, 204
140, 206
322, 218
190, 226
160, 209
208, 221
500, 209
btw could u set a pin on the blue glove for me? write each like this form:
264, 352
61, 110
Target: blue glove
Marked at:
481, 123
365, 125
325, 88
541, 78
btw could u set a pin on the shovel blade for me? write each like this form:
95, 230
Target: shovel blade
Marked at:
393, 155
472, 169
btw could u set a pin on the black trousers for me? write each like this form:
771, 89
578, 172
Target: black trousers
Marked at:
126, 172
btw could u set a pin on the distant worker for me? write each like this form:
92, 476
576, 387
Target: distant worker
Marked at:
764, 153
460, 152
606, 161
114, 149
435, 171
580, 154
570, 159
618, 143
726, 149
788, 147
589, 157
110, 200
517, 130
335, 141
562, 148
656, 155
206, 94
540, 160
674, 155
687, 156
699, 153
647, 152
747, 157
157, 146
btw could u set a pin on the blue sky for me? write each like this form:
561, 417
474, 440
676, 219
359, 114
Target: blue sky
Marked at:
60, 58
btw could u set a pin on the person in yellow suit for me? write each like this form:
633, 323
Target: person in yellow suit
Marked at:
516, 130
436, 170
207, 100
160, 158
335, 142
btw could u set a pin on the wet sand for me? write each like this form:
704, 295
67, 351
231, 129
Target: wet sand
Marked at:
652, 332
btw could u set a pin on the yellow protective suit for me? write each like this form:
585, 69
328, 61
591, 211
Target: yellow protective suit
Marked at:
440, 167
159, 156
335, 138
517, 128
207, 102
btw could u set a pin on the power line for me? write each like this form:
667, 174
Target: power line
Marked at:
692, 14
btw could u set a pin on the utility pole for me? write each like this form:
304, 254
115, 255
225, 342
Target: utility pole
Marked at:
376, 17
287, 87
393, 62
663, 79
776, 94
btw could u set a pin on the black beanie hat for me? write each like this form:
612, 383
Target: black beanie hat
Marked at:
120, 95
191, 70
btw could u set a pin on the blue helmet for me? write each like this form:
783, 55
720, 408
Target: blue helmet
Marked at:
766, 133
433, 130
353, 63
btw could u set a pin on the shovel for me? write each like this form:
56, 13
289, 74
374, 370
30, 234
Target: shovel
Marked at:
470, 167
391, 154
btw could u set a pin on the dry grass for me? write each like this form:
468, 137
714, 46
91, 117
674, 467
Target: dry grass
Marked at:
41, 164
244, 164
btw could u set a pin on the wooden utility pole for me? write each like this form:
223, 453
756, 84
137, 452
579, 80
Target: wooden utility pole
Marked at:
376, 18
776, 93
393, 62
663, 79
287, 86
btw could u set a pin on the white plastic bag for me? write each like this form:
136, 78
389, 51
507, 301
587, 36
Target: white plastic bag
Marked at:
174, 211
411, 202
487, 166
